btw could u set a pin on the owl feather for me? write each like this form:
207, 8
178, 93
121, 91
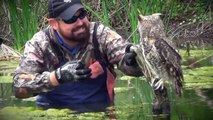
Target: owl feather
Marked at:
157, 56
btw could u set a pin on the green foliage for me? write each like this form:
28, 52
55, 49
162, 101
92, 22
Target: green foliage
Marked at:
123, 15
193, 12
23, 20
14, 22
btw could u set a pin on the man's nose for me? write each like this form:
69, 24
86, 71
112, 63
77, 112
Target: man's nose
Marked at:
79, 21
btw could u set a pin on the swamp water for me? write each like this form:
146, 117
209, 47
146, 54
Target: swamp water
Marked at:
132, 98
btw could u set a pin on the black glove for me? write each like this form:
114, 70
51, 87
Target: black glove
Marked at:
129, 57
72, 71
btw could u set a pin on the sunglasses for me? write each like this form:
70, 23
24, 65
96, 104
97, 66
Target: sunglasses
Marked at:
81, 16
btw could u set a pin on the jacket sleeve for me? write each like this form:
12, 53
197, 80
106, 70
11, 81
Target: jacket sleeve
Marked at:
113, 47
30, 74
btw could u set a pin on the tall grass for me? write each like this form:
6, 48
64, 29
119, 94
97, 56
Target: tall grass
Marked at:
23, 20
124, 14
132, 13
14, 22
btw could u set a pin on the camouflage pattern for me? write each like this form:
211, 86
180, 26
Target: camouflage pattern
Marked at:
39, 58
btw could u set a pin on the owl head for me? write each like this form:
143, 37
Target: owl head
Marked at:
151, 26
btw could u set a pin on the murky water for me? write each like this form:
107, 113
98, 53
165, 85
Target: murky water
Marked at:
194, 105
130, 103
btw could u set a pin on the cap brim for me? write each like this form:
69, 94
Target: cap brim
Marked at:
69, 12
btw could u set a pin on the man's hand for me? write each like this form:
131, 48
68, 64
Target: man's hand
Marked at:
129, 57
72, 71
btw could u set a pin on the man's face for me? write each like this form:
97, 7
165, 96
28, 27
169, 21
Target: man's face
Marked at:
75, 29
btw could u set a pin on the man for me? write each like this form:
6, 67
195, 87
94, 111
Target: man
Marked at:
70, 63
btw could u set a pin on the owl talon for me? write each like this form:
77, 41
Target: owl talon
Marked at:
157, 83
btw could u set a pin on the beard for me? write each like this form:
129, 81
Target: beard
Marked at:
76, 37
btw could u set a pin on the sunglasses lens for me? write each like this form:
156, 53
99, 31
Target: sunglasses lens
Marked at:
72, 20
82, 15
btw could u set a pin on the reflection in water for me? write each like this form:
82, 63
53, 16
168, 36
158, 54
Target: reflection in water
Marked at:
192, 107
161, 103
7, 98
129, 104
189, 106
203, 94
134, 102
5, 91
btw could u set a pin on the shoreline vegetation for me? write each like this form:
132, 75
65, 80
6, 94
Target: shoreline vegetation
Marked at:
188, 23
185, 19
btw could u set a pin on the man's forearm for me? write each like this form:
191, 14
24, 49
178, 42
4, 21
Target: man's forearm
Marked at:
26, 85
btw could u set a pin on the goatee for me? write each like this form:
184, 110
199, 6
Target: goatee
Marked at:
80, 37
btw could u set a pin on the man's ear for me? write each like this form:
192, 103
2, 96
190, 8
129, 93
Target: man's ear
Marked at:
54, 23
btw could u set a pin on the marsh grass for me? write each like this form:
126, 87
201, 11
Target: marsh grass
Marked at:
23, 16
123, 15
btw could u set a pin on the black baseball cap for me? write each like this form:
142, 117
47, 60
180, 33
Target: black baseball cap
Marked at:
64, 9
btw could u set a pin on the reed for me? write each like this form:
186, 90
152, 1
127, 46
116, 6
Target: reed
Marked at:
23, 20
123, 15
132, 14
14, 22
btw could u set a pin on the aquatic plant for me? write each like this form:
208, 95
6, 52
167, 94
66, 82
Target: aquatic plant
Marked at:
23, 16
123, 15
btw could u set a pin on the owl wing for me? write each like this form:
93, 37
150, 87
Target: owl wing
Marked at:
171, 59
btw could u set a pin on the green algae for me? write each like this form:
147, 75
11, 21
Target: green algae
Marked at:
195, 53
7, 68
194, 78
200, 57
201, 71
32, 113
201, 77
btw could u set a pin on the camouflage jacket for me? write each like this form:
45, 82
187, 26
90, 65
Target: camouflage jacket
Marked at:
39, 58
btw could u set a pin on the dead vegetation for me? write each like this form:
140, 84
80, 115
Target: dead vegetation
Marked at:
8, 53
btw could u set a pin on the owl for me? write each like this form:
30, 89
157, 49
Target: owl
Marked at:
157, 57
